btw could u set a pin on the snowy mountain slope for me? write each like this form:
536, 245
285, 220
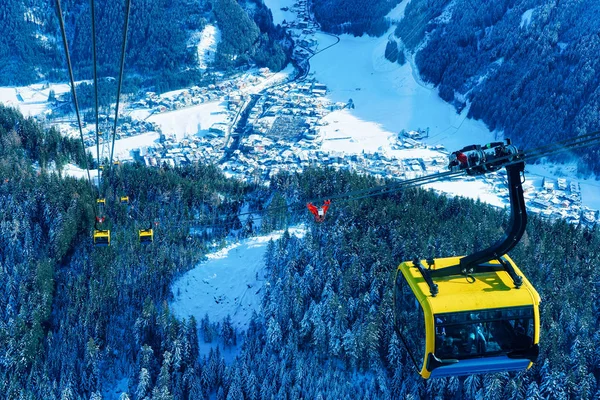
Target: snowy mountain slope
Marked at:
230, 282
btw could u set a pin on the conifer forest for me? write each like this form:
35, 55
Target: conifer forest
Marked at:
77, 319
74, 317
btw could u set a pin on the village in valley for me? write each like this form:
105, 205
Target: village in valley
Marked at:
256, 123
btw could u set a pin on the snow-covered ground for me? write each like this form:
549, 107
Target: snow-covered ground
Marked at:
79, 173
474, 189
274, 79
207, 47
526, 18
191, 121
278, 14
590, 192
230, 282
397, 13
31, 100
325, 41
140, 114
387, 99
123, 147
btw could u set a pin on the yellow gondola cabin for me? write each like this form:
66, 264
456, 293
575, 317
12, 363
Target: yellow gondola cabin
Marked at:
101, 237
146, 236
474, 314
475, 324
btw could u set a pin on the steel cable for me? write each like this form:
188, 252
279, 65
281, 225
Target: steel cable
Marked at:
72, 79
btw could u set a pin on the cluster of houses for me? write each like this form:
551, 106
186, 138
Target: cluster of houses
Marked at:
303, 20
229, 90
128, 128
556, 198
171, 153
294, 109
185, 98
561, 199
284, 136
223, 89
262, 157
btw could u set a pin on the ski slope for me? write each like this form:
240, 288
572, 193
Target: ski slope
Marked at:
397, 13
207, 47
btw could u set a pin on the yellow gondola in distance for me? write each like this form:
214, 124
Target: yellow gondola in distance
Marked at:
146, 236
479, 323
101, 204
101, 237
124, 199
478, 313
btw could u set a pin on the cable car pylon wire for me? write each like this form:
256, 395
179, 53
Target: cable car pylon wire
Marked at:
73, 91
95, 69
350, 196
576, 143
521, 156
123, 48
561, 142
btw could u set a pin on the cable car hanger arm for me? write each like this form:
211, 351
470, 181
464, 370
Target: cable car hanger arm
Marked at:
518, 222
477, 160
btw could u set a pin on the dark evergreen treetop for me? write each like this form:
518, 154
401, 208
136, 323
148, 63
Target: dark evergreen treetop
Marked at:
535, 80
159, 55
75, 319
356, 17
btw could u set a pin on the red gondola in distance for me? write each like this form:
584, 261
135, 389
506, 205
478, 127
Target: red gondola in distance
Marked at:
319, 212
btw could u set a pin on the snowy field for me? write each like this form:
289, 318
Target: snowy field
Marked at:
475, 189
230, 282
191, 121
79, 173
387, 99
325, 41
124, 147
278, 14
31, 100
140, 114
